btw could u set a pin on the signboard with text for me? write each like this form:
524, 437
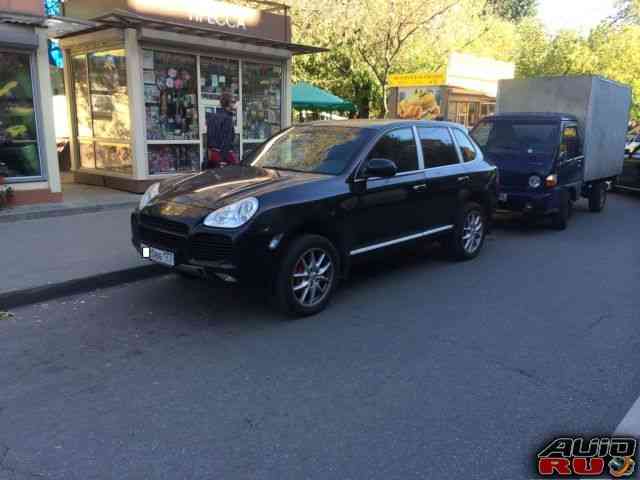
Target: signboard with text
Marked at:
416, 79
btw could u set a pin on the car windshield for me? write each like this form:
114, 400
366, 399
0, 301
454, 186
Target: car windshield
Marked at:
313, 149
516, 136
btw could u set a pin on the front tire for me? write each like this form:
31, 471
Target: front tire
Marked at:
307, 276
469, 232
598, 197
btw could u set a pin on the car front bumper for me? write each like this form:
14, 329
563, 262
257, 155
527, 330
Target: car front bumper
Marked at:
240, 254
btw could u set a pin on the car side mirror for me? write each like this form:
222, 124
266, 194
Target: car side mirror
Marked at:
380, 167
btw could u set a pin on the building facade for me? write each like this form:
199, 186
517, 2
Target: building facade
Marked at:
143, 81
465, 93
28, 155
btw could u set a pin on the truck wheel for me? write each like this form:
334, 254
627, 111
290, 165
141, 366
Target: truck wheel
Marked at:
468, 235
560, 219
307, 276
598, 197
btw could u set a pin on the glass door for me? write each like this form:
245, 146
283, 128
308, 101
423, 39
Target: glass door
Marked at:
261, 103
220, 76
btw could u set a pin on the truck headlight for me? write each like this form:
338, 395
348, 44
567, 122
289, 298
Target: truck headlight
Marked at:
151, 193
234, 215
535, 181
551, 181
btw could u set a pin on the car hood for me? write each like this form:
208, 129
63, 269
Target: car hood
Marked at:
214, 188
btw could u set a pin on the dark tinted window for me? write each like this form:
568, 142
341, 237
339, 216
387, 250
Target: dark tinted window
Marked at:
399, 146
467, 149
570, 142
516, 135
437, 147
326, 150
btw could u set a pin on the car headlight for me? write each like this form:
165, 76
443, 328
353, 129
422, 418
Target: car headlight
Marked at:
535, 181
234, 215
152, 192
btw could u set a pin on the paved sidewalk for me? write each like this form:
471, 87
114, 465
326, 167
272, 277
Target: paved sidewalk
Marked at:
77, 199
39, 254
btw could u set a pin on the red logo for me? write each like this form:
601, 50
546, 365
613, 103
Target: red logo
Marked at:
576, 457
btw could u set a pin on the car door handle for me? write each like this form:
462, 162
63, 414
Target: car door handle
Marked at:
420, 187
464, 178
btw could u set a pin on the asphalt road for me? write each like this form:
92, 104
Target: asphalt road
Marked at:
421, 368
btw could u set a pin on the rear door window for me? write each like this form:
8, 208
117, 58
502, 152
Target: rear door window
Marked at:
467, 149
400, 147
437, 147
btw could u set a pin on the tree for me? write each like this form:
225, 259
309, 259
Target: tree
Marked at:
373, 33
514, 10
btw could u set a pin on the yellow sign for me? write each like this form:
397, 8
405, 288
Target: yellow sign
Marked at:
416, 79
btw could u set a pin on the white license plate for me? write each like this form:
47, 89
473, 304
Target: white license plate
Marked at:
159, 256
503, 197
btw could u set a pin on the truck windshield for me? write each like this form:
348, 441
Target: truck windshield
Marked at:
497, 135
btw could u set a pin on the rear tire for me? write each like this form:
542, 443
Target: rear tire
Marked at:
469, 233
598, 197
307, 276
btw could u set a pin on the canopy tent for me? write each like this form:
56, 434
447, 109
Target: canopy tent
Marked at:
307, 97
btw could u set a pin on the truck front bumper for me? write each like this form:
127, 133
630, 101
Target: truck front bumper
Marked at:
538, 203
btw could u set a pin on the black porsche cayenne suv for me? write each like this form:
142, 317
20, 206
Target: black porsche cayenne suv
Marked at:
315, 196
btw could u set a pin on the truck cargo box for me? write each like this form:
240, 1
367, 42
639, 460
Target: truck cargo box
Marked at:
601, 106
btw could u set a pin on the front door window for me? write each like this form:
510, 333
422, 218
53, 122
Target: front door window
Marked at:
400, 147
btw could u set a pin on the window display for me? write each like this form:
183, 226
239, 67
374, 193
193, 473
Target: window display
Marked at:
218, 76
83, 103
170, 95
87, 155
262, 101
113, 157
109, 96
173, 158
18, 138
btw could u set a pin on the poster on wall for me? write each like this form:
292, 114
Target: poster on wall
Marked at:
419, 103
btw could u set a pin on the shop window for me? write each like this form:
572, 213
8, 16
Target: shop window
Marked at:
262, 102
83, 96
452, 111
87, 155
109, 96
113, 157
174, 158
170, 94
18, 137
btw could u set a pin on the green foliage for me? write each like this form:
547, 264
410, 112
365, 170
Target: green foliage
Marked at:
371, 39
514, 10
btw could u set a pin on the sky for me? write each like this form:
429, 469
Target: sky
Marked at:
578, 14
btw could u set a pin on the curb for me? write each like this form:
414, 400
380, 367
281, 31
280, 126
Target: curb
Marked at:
63, 212
28, 296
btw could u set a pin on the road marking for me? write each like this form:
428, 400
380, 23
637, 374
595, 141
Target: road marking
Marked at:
630, 424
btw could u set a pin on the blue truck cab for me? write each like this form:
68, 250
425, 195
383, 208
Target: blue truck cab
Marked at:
540, 163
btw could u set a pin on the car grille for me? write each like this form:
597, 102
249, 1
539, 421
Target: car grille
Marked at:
158, 223
211, 248
511, 179
161, 239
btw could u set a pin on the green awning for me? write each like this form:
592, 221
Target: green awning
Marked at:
307, 97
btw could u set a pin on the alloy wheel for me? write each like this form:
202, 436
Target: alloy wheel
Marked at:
472, 232
312, 277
